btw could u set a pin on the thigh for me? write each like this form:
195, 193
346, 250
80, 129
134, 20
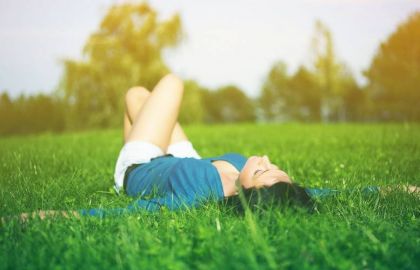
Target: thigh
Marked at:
158, 116
136, 152
183, 149
178, 134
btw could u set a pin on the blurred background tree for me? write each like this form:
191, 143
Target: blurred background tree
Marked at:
192, 109
295, 97
326, 69
8, 115
275, 87
334, 78
304, 101
30, 114
125, 51
326, 91
394, 74
228, 104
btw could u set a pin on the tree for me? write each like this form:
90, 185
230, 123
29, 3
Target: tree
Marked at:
41, 113
304, 102
7, 114
228, 104
328, 72
30, 114
290, 98
274, 85
314, 93
192, 109
125, 51
354, 101
394, 74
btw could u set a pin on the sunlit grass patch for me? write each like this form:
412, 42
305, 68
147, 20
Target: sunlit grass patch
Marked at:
351, 230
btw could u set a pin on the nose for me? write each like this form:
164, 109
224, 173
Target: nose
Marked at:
266, 160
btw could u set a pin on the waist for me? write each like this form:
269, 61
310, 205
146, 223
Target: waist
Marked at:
127, 172
134, 166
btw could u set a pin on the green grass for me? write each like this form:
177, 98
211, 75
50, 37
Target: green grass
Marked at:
351, 231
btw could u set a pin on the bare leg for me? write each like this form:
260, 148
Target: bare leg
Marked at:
158, 115
178, 134
134, 100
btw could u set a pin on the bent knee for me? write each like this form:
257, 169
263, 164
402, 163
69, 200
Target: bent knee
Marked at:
173, 80
137, 93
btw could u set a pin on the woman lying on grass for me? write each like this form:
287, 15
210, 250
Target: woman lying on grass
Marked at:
159, 165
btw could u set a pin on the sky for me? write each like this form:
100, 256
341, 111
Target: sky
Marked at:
226, 42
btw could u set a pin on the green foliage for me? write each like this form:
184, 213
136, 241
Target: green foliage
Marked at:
274, 87
326, 91
73, 171
228, 104
30, 114
355, 100
192, 108
296, 97
325, 62
394, 74
334, 79
305, 98
7, 115
125, 51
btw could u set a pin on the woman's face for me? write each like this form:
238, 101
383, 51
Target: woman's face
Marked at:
258, 172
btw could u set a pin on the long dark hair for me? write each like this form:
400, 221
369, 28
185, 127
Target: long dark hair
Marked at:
278, 195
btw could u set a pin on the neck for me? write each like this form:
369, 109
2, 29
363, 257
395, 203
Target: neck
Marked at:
229, 182
228, 175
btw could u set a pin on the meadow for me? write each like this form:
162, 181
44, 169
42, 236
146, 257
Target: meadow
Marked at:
349, 231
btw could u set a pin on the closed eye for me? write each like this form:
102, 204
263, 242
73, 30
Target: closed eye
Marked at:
255, 173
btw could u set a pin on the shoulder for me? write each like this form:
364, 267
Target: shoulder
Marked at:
228, 155
234, 155
237, 160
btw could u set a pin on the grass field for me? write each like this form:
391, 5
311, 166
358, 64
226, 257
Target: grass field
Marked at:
350, 231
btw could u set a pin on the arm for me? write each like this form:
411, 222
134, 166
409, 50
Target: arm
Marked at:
406, 188
138, 205
42, 214
327, 192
